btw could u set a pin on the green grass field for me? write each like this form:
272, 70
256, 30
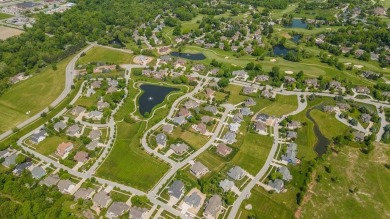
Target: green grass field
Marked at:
128, 164
282, 105
194, 139
4, 16
102, 54
49, 145
352, 170
33, 94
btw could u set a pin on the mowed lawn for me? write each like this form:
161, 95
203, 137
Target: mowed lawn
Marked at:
253, 151
102, 54
352, 170
195, 140
128, 164
33, 94
49, 145
282, 105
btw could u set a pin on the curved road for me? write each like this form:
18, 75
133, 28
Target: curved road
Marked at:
68, 87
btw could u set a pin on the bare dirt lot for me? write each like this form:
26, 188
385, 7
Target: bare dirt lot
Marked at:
7, 32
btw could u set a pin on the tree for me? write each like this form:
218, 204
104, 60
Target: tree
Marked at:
223, 82
20, 159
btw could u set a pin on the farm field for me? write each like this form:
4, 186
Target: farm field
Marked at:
7, 32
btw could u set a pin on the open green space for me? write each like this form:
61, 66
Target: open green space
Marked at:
356, 187
194, 139
49, 145
211, 160
4, 16
102, 54
282, 105
31, 95
188, 26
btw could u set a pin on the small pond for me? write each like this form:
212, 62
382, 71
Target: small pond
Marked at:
117, 43
296, 23
152, 96
190, 56
322, 142
296, 38
280, 50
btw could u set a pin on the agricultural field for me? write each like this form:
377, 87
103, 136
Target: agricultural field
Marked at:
31, 95
102, 54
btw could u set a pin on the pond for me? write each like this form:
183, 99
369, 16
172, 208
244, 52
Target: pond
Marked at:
190, 56
117, 43
296, 38
296, 23
152, 96
280, 50
322, 142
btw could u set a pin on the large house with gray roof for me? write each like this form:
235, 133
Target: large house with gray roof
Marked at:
193, 200
161, 139
277, 185
138, 213
236, 173
198, 169
290, 155
38, 172
102, 199
226, 185
176, 189
213, 207
285, 173
117, 209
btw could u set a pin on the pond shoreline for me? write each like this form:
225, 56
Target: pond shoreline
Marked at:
323, 142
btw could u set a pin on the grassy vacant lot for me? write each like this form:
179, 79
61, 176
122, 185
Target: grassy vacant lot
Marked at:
128, 164
352, 170
211, 160
4, 16
253, 151
49, 145
325, 121
194, 139
235, 96
102, 54
33, 94
282, 105
7, 32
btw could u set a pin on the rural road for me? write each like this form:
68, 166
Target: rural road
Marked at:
68, 87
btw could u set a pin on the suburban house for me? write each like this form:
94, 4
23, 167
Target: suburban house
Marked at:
266, 93
96, 84
260, 128
365, 117
84, 193
177, 189
184, 112
81, 156
290, 155
236, 173
4, 153
363, 90
92, 145
285, 173
94, 134
312, 82
334, 85
226, 185
63, 149
38, 172
73, 130
102, 199
179, 148
262, 78
276, 185
358, 136
161, 139
117, 209
241, 74
249, 90
201, 128
294, 125
223, 150
328, 108
38, 137
193, 200
10, 160
102, 105
198, 169
230, 137
180, 120
289, 80
65, 186
51, 180
238, 118
95, 115
291, 135
111, 90
59, 126
213, 207
343, 106
212, 109
138, 213
168, 128
206, 119
250, 102
191, 104
78, 110
246, 111
20, 167
209, 93
234, 127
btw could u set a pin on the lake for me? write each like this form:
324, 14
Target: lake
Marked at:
280, 50
190, 56
322, 142
152, 96
296, 23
